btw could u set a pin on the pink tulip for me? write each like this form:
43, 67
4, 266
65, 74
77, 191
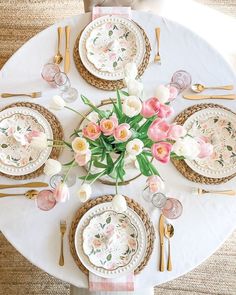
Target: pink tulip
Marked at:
91, 131
122, 132
176, 131
161, 151
150, 107
165, 111
173, 92
158, 130
61, 192
206, 149
108, 126
82, 159
155, 183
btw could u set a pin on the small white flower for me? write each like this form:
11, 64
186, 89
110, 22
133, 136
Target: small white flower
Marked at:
84, 193
80, 145
162, 93
93, 117
134, 147
132, 106
20, 138
39, 142
131, 70
187, 147
134, 87
119, 203
52, 167
57, 103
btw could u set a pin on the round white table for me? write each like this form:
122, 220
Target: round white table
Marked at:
206, 222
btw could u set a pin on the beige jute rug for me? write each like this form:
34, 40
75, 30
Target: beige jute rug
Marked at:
19, 21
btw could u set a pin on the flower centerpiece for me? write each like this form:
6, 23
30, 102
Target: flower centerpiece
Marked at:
132, 128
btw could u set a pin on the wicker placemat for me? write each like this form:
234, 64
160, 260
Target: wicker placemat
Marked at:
57, 135
106, 84
133, 205
181, 166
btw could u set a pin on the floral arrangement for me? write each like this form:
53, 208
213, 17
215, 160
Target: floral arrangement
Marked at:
133, 128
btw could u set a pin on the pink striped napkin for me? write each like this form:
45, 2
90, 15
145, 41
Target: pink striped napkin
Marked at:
120, 11
125, 283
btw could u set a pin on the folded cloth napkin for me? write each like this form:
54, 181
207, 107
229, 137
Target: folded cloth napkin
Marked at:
120, 11
124, 283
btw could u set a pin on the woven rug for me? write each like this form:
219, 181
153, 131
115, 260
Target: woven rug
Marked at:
19, 21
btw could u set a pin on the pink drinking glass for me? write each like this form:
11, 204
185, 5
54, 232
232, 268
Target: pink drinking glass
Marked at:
172, 209
181, 80
45, 200
48, 73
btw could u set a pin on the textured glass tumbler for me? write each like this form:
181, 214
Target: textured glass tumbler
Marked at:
68, 93
48, 73
181, 80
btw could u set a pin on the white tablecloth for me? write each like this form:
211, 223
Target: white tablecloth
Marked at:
206, 222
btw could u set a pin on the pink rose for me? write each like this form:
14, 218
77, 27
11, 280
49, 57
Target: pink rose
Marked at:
150, 107
61, 192
165, 111
158, 130
206, 149
108, 126
82, 159
161, 151
91, 131
176, 131
122, 132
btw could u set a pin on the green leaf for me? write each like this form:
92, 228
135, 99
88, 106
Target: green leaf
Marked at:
146, 125
69, 163
91, 177
229, 148
116, 110
4, 145
124, 92
97, 236
67, 144
109, 257
119, 103
114, 64
99, 164
86, 101
110, 32
108, 220
143, 165
110, 163
107, 145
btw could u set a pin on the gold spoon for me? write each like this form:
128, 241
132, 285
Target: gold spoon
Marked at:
199, 87
169, 232
31, 194
200, 191
58, 57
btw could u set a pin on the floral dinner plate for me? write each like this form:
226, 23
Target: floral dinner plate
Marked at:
110, 244
17, 157
218, 127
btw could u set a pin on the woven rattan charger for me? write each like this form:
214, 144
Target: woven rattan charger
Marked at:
133, 205
106, 84
57, 135
181, 166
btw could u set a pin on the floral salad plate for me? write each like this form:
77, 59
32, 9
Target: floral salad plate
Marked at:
218, 127
108, 43
108, 243
17, 157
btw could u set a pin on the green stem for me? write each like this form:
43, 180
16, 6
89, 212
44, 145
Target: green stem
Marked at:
78, 113
99, 175
67, 173
116, 184
90, 165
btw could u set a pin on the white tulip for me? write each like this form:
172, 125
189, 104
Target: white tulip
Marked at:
187, 147
134, 87
134, 147
39, 142
93, 117
131, 106
80, 145
57, 103
84, 193
52, 167
131, 70
162, 93
119, 203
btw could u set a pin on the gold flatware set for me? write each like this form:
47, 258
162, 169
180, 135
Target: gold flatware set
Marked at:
157, 58
31, 95
62, 231
198, 97
30, 194
200, 192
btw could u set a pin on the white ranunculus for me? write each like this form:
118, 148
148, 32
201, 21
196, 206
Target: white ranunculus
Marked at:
131, 106
162, 93
134, 87
80, 145
52, 167
187, 147
57, 103
93, 117
84, 193
134, 147
119, 203
131, 70
39, 142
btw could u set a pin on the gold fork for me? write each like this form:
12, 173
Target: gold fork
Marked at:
32, 95
62, 230
157, 58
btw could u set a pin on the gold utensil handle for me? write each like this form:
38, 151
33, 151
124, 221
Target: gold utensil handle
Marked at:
5, 95
67, 31
30, 184
61, 260
162, 262
226, 87
59, 33
226, 192
10, 195
169, 263
158, 31
196, 97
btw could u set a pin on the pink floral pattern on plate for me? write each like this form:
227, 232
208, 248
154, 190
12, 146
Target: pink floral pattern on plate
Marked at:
110, 240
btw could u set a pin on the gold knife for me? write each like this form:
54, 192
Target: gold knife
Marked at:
162, 234
29, 184
195, 97
67, 50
